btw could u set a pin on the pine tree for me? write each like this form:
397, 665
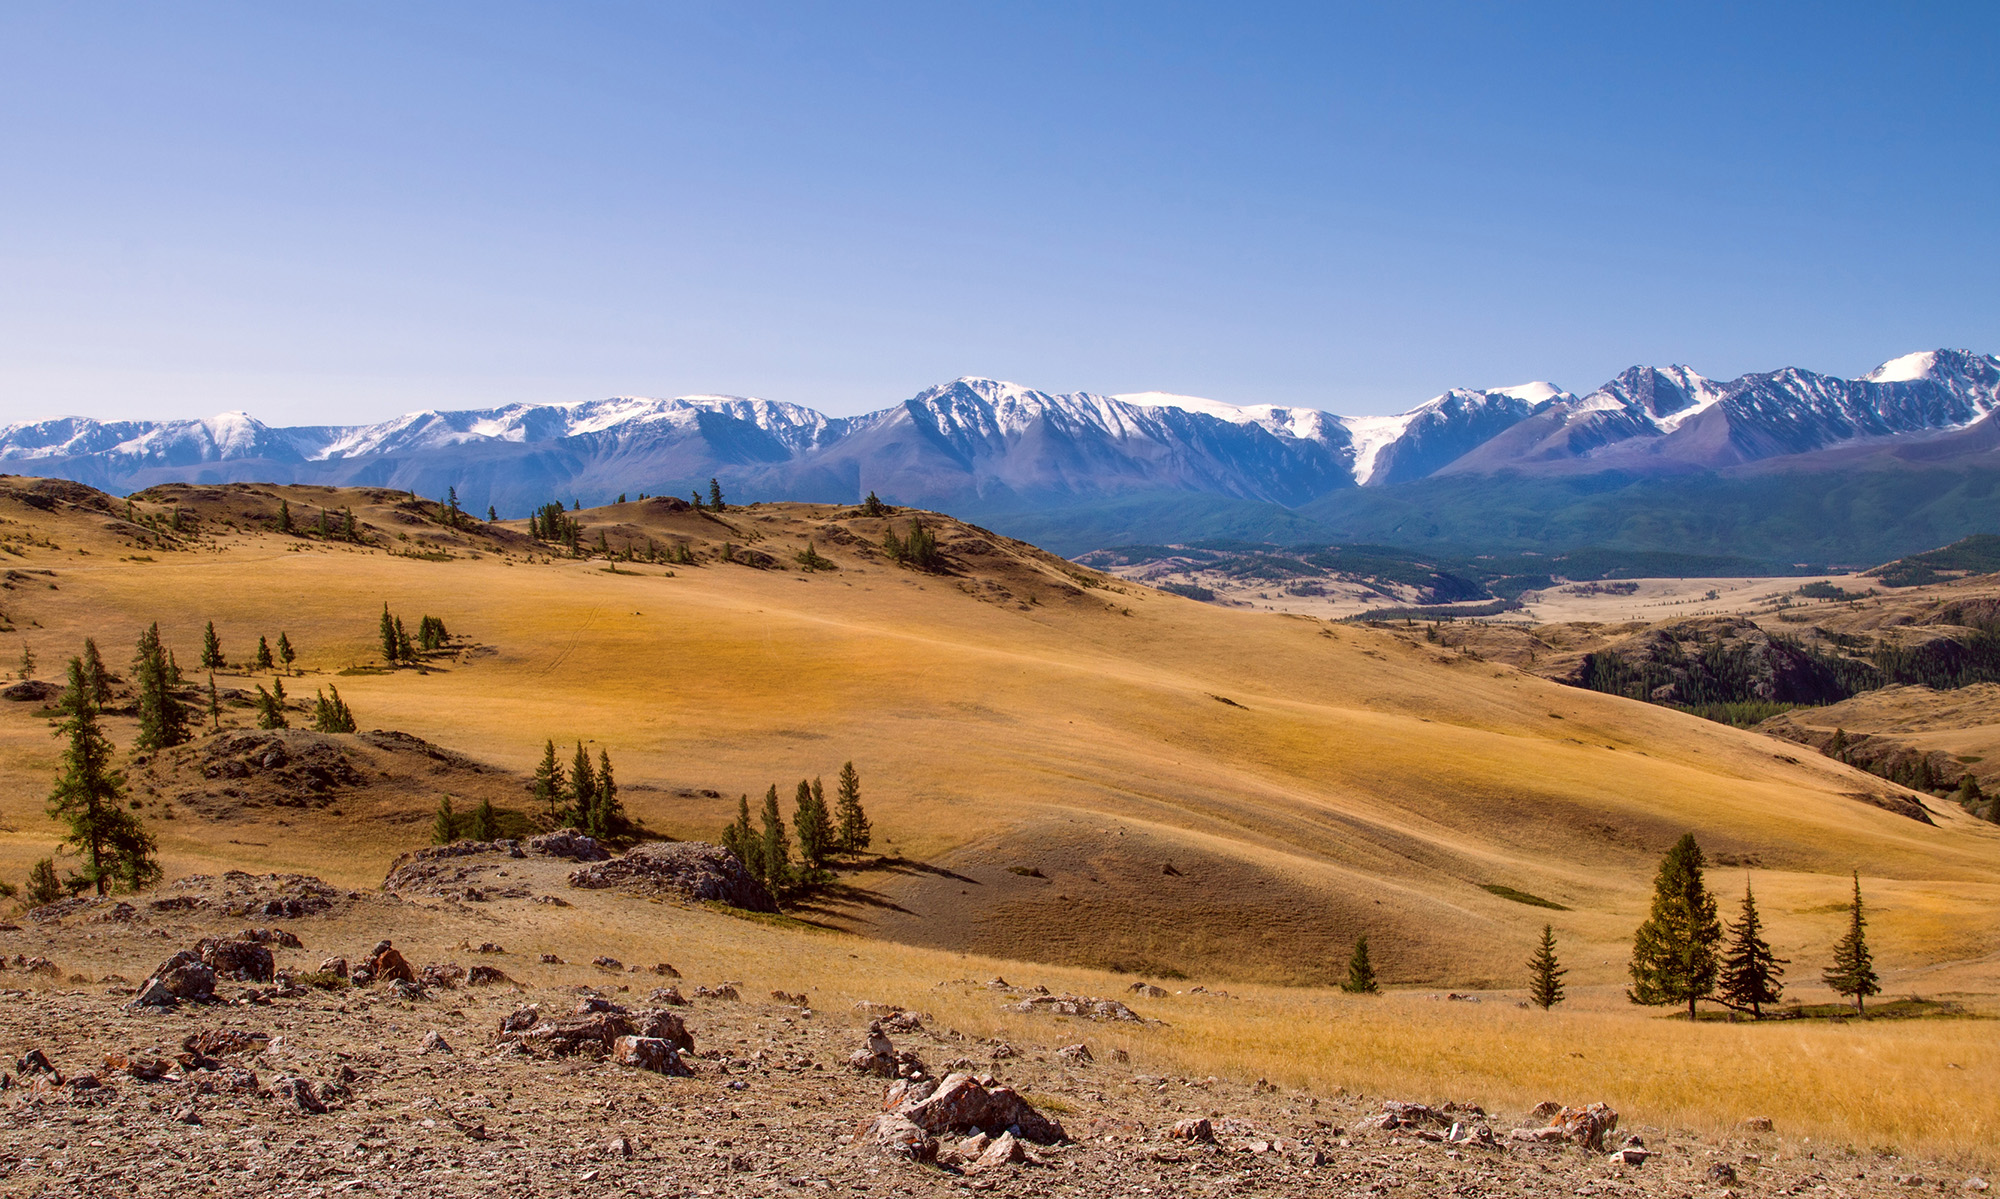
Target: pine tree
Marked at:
162, 719
492, 514
1853, 971
873, 506
44, 886
776, 850
582, 788
1969, 796
286, 654
606, 817
549, 779
333, 716
741, 839
851, 820
391, 645
269, 714
405, 650
94, 675
1750, 971
1545, 987
27, 661
214, 706
284, 516
811, 823
1673, 953
115, 846
1838, 749
444, 826
173, 671
715, 503
264, 661
348, 528
485, 822
1360, 971
211, 649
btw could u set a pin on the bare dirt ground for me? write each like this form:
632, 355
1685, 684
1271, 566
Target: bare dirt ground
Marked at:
308, 1091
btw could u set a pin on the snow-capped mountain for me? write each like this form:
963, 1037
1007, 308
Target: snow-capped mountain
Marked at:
984, 445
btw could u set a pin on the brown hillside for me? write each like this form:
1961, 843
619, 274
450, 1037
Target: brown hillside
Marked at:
1308, 782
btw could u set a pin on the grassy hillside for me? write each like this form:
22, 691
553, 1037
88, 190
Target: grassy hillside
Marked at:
1306, 783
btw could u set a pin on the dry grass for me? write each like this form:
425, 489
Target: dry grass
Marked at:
1355, 783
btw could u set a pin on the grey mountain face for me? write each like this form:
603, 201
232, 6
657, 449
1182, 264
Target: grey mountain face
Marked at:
982, 445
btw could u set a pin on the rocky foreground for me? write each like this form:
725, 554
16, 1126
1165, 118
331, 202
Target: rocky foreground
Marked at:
270, 1036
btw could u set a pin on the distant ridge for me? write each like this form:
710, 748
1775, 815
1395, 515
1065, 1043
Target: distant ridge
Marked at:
982, 446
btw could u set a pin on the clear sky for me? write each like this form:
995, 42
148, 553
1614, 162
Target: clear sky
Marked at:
338, 212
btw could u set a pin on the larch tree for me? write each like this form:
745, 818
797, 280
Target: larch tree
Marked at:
270, 713
211, 649
44, 885
1853, 972
1545, 975
94, 675
485, 822
391, 645
813, 828
264, 659
851, 821
607, 818
776, 848
444, 825
162, 718
1360, 971
582, 788
1750, 971
286, 654
741, 839
115, 847
1673, 954
549, 781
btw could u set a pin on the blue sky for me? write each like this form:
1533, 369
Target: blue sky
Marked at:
333, 213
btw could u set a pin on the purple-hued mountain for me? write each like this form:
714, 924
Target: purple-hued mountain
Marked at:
981, 445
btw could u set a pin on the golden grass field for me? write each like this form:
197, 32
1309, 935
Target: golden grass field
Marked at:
1308, 782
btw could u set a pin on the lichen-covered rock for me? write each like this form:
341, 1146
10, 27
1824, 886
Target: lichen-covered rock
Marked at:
243, 961
961, 1104
649, 1053
691, 870
1087, 1006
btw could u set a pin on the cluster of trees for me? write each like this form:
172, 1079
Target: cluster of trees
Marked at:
765, 849
584, 798
1682, 954
266, 658
398, 649
919, 550
480, 824
552, 524
327, 526
715, 501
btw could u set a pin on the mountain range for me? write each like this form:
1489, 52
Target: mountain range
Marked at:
1063, 466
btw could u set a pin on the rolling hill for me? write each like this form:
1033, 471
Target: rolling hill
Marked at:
1062, 766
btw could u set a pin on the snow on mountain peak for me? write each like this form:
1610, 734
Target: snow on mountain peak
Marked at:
1533, 393
1907, 369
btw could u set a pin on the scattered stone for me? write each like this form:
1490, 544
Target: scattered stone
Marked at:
619, 1147
670, 996
897, 1135
154, 994
795, 1000
1629, 1155
488, 947
1147, 990
1121, 1057
386, 964
1088, 1007
725, 991
571, 845
1005, 1150
549, 959
1721, 1174
334, 966
552, 901
485, 976
1076, 1055
664, 970
434, 1042
695, 871
1757, 1124
1587, 1126
961, 1104
649, 1053
1195, 1128
607, 963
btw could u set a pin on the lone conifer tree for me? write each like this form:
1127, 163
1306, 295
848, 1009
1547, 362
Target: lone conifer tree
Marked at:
286, 655
270, 715
582, 788
1360, 971
853, 822
211, 649
27, 661
115, 847
742, 840
264, 660
715, 503
1750, 971
1545, 986
1853, 970
549, 779
94, 674
776, 848
606, 816
284, 516
162, 719
392, 646
1673, 954
444, 826
810, 822
485, 822
44, 886
873, 506
334, 716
